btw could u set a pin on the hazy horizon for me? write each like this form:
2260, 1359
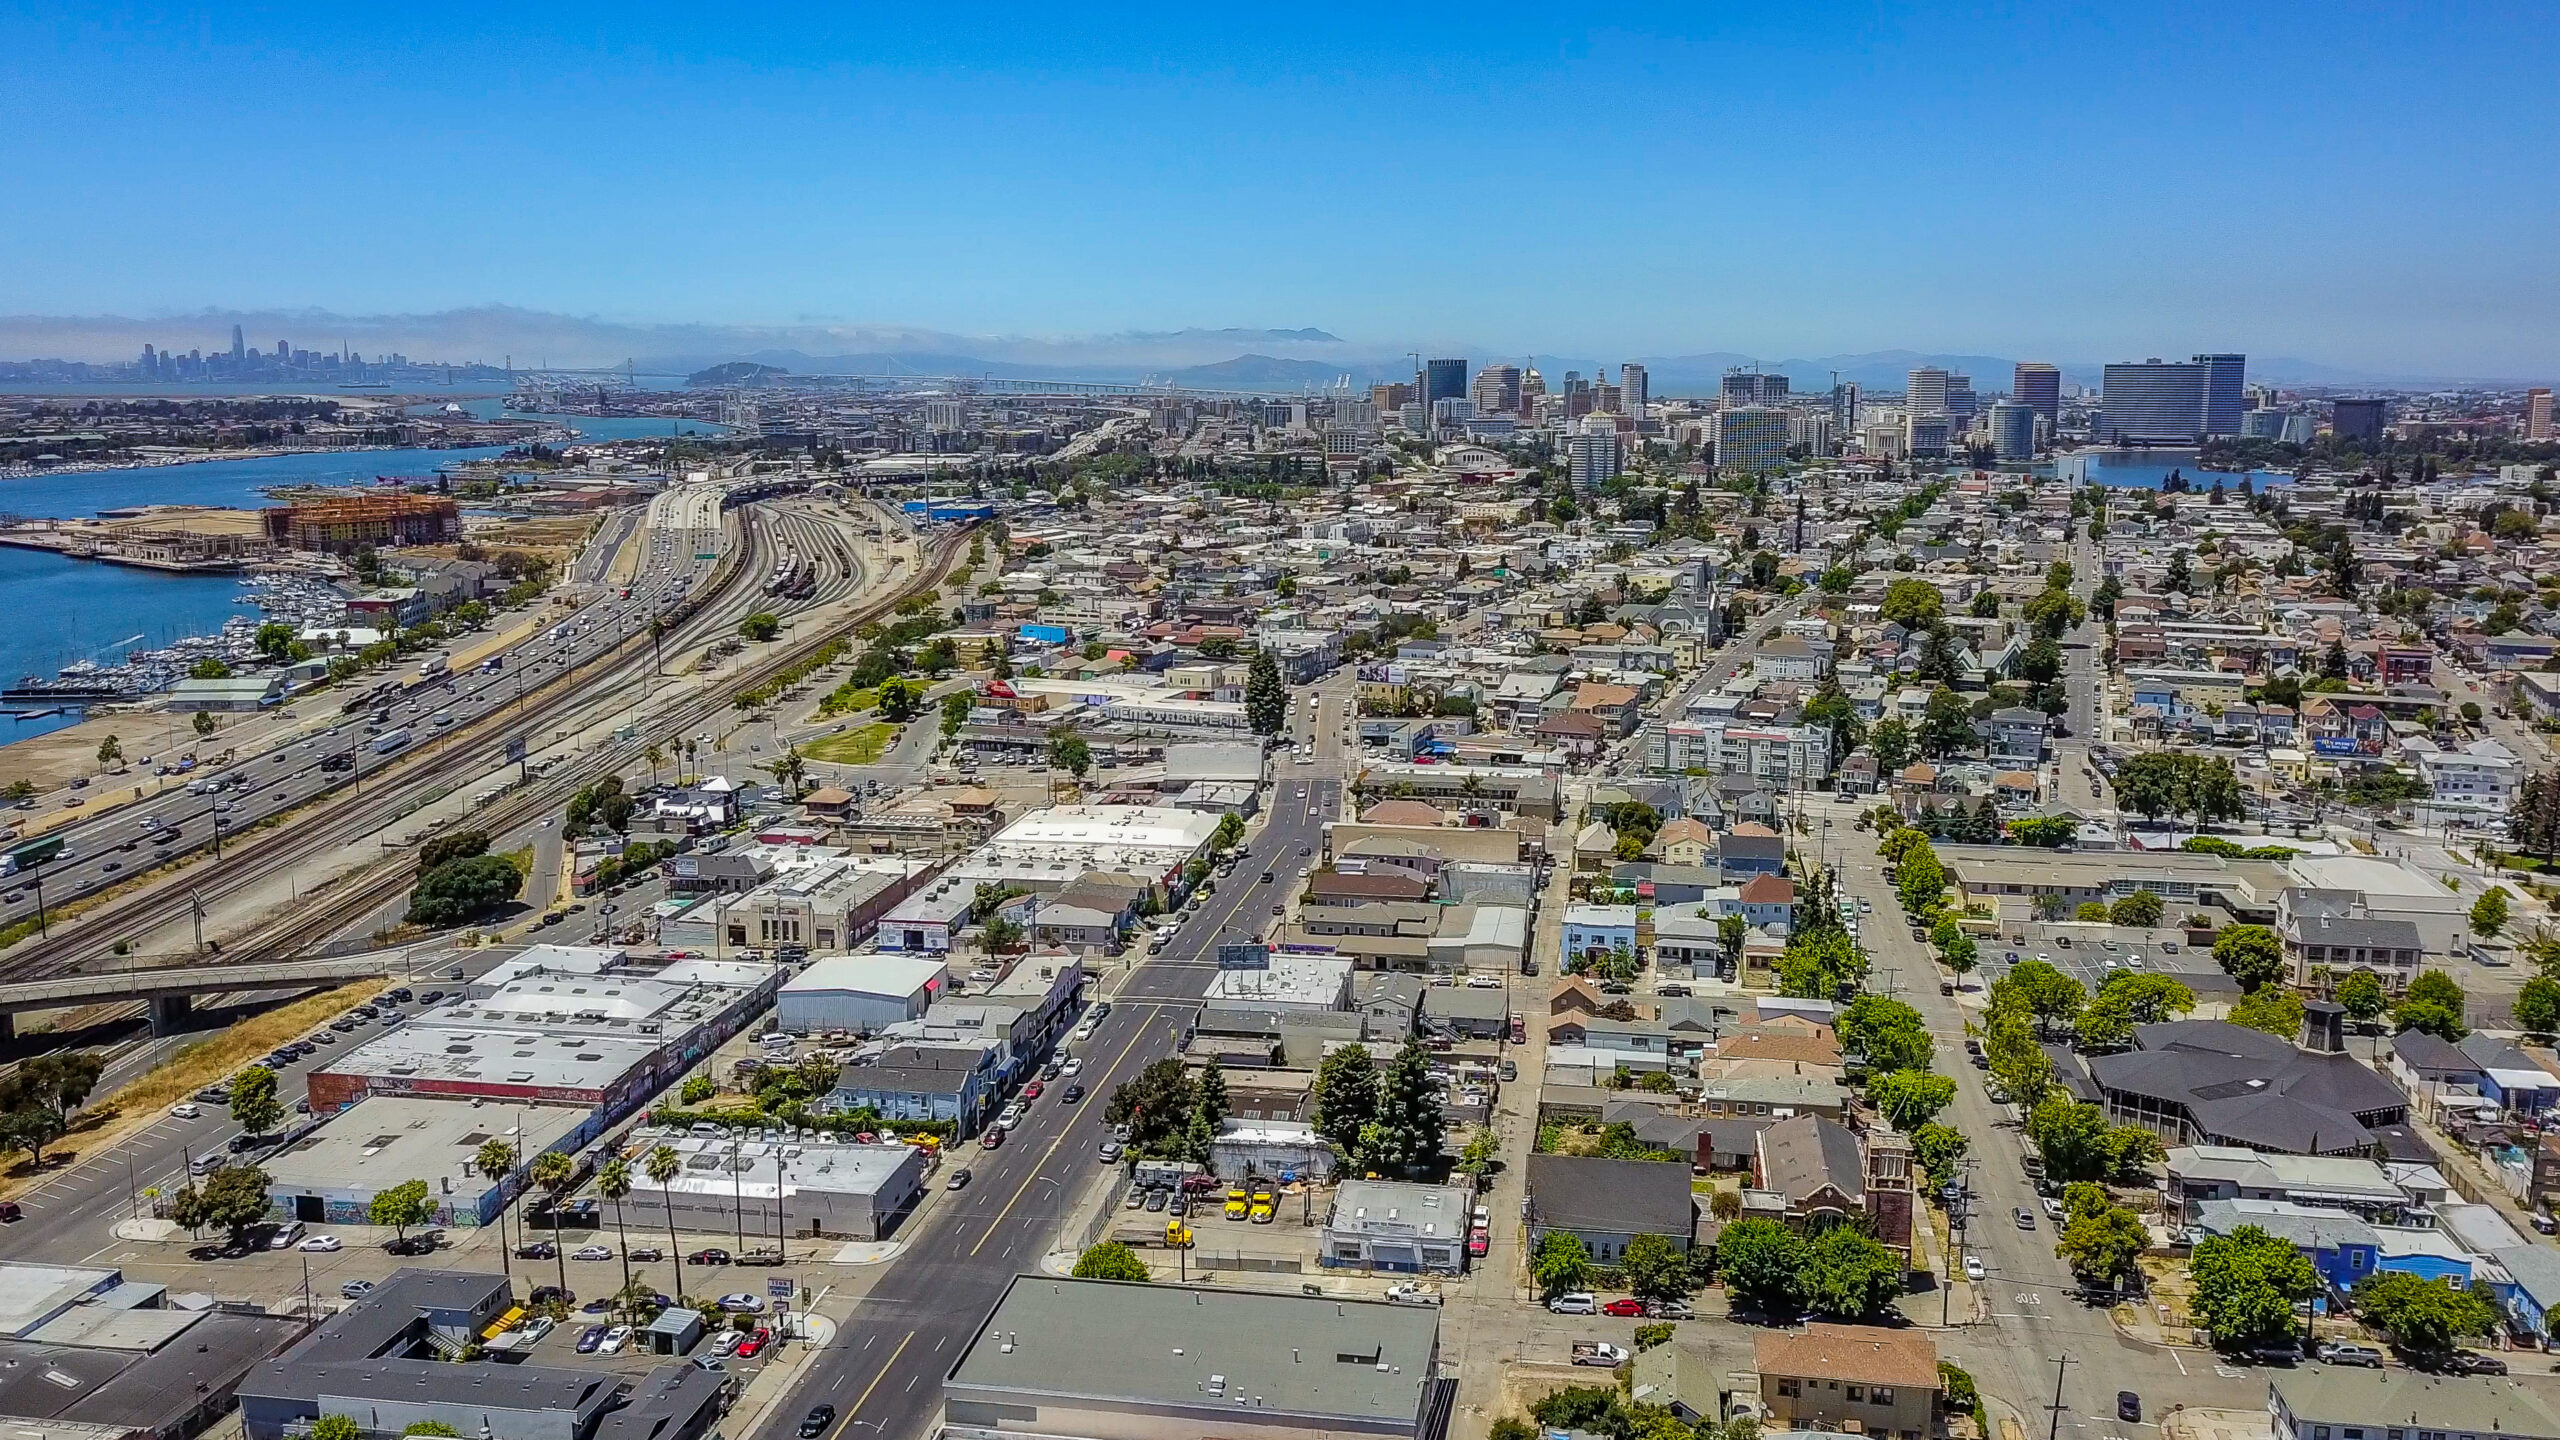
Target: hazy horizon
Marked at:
2350, 186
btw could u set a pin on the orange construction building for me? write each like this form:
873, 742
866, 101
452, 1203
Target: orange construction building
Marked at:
380, 522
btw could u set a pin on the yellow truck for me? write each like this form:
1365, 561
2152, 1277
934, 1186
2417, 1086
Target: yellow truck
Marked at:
1236, 1206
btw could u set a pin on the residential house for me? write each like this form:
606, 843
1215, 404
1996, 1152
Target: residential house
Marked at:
1849, 1379
1607, 1203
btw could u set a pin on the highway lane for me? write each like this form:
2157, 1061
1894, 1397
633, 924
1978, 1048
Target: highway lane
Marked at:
232, 797
884, 1371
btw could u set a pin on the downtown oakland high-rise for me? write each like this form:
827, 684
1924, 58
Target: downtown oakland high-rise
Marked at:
2156, 401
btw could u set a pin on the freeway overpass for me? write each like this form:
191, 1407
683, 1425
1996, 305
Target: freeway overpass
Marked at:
170, 988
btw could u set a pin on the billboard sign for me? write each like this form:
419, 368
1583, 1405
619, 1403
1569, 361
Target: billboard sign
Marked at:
515, 748
2335, 745
779, 1286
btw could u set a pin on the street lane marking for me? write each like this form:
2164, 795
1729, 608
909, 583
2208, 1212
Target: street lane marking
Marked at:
1140, 1033
875, 1384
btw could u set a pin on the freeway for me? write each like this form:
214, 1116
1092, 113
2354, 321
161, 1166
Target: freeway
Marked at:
884, 1371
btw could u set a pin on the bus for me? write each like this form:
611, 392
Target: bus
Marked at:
385, 744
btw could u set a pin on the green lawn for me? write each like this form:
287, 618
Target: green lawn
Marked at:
862, 745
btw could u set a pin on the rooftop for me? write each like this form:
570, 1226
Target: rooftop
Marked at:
1866, 1353
1204, 1351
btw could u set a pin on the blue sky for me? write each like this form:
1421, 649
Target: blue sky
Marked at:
2363, 185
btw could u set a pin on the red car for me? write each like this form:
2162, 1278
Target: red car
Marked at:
1478, 1243
1623, 1308
993, 1138
748, 1347
1031, 1091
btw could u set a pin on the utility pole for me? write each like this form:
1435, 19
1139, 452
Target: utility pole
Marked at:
2060, 1365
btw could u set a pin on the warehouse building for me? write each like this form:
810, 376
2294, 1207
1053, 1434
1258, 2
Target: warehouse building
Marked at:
386, 1363
1108, 1360
1049, 850
767, 1187
87, 1355
330, 1176
858, 994
569, 1030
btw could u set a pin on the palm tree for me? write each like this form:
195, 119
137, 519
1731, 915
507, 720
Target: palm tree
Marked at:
655, 757
555, 1173
664, 1165
496, 1160
613, 1182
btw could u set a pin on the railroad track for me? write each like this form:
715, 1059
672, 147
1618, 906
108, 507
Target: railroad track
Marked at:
722, 601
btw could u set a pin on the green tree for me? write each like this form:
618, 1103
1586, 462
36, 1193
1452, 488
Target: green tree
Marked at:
494, 1161
231, 1199
662, 1167
1946, 725
2489, 912
1890, 739
56, 1084
460, 891
1850, 1275
1911, 1098
556, 1175
1408, 1113
2249, 954
1346, 1096
2127, 1001
1920, 880
1939, 1149
1913, 604
1069, 752
401, 1206
452, 845
760, 626
2433, 1003
2140, 910
110, 750
899, 700
1762, 1261
1112, 1260
2273, 1009
2042, 993
2425, 1317
204, 722
1655, 1271
1560, 1265
2361, 994
335, 1427
955, 711
2537, 1007
254, 1105
2246, 1284
1266, 697
1155, 1106
1883, 1035
2103, 1244
613, 1182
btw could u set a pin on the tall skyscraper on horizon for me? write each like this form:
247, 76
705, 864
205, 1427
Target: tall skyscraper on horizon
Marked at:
2357, 419
1634, 389
1751, 439
1496, 390
1753, 387
1926, 391
1443, 380
2038, 386
2013, 430
2223, 397
2155, 401
239, 345
2537, 413
1844, 406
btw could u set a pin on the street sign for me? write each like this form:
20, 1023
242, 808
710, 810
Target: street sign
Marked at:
779, 1286
36, 852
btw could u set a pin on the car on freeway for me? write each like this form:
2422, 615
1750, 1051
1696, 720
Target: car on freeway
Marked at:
815, 1423
1071, 1095
322, 1245
959, 1179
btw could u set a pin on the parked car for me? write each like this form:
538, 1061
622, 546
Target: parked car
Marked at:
1575, 1302
322, 1244
552, 1295
616, 1338
2346, 1352
2128, 1407
356, 1289
2026, 1218
650, 1254
742, 1303
2472, 1362
590, 1338
537, 1250
592, 1252
1973, 1268
710, 1255
1623, 1308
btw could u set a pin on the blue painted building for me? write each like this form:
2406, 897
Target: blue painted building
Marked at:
1598, 930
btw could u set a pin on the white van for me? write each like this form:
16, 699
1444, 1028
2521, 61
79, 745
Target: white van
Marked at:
1575, 1302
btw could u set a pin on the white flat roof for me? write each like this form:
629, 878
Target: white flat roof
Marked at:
891, 976
387, 1140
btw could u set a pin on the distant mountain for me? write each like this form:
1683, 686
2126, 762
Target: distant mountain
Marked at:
736, 372
1265, 372
1888, 370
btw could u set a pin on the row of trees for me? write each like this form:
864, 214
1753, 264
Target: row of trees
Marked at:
459, 881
